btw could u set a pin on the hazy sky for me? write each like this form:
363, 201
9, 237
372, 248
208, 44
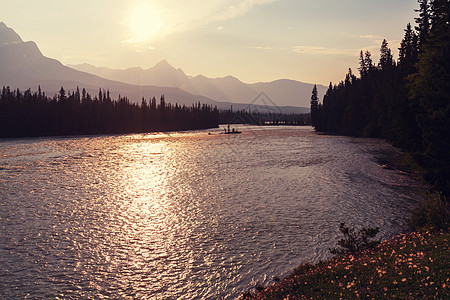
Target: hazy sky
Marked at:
312, 41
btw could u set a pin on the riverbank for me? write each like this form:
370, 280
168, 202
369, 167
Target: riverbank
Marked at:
414, 265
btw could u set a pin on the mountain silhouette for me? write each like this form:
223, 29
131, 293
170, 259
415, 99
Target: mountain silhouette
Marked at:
23, 66
8, 36
283, 92
162, 74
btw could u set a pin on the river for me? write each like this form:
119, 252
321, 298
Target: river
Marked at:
187, 215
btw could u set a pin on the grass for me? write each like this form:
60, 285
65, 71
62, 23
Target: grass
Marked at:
411, 266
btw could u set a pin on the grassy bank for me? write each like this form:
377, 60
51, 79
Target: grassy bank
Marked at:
411, 266
415, 265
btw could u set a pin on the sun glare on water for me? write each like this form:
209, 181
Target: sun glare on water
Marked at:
145, 22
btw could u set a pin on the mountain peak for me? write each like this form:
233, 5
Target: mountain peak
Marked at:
163, 64
231, 78
8, 36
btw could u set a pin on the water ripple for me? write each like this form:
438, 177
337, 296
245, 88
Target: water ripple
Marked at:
186, 215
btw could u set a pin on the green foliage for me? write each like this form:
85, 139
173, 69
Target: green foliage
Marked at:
386, 58
429, 87
355, 241
314, 106
303, 269
246, 116
407, 103
423, 21
259, 287
26, 114
365, 63
411, 266
407, 55
434, 212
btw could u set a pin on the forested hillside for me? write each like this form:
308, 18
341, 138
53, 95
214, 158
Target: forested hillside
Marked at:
407, 101
26, 114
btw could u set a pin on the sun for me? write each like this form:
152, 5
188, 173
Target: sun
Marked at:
145, 22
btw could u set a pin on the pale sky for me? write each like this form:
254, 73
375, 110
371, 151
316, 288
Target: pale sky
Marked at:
313, 41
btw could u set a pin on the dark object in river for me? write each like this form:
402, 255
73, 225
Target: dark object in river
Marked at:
233, 131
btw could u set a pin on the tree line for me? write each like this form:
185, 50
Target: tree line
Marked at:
406, 102
230, 116
31, 114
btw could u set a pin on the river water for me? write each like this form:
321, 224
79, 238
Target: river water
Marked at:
187, 215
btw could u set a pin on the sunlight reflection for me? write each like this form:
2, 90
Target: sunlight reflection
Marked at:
182, 215
150, 200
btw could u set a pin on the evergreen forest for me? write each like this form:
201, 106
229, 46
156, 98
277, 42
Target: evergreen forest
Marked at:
30, 114
406, 102
261, 118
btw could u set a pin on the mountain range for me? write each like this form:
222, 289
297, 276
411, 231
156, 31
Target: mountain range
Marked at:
227, 89
23, 66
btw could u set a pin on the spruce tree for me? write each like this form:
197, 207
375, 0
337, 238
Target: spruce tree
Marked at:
430, 87
407, 55
386, 58
314, 107
423, 21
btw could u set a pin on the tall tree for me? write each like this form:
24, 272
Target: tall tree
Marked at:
362, 64
314, 106
349, 77
423, 21
365, 63
386, 58
368, 60
407, 55
430, 87
62, 95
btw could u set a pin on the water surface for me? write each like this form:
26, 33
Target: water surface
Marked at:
184, 215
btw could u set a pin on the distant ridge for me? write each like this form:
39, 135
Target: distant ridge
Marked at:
23, 66
8, 36
284, 92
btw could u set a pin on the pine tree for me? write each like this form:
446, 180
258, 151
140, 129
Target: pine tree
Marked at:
430, 87
349, 77
386, 58
423, 21
365, 63
314, 107
362, 64
368, 61
408, 50
62, 95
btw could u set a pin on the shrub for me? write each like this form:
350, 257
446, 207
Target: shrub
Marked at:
355, 241
259, 287
434, 212
303, 269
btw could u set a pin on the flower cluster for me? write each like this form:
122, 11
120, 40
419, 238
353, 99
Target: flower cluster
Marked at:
414, 265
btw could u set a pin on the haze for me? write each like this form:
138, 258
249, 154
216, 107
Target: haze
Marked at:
254, 40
